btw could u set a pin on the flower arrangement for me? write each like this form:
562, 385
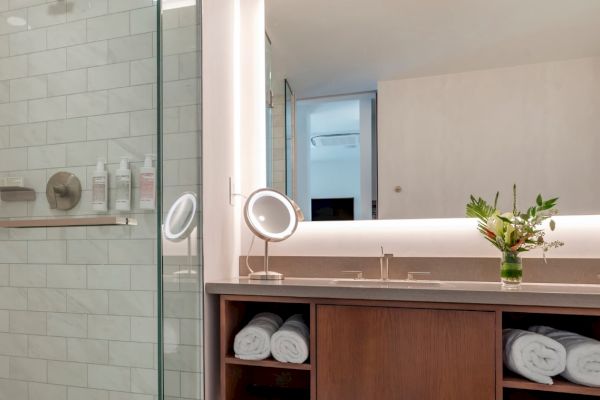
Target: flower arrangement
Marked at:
514, 232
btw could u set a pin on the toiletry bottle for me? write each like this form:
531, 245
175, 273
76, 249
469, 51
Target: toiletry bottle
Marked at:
100, 187
123, 181
148, 184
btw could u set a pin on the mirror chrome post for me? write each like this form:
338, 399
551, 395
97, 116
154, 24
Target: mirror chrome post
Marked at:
273, 217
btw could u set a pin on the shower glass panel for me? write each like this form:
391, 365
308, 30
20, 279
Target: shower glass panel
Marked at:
181, 305
82, 313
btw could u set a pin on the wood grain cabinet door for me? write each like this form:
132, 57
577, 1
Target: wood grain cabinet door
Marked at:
381, 353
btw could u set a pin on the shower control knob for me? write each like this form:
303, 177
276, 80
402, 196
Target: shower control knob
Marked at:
63, 191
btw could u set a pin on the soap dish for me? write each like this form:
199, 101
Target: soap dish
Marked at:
16, 193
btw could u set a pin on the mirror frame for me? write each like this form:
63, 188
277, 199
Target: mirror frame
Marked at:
255, 226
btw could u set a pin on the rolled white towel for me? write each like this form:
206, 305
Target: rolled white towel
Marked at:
534, 356
253, 342
291, 342
583, 355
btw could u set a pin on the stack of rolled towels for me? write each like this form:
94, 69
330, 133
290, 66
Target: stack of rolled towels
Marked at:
542, 352
267, 334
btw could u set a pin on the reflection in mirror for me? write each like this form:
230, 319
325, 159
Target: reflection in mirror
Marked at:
181, 218
464, 99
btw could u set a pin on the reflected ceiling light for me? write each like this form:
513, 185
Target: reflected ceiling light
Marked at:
172, 4
16, 21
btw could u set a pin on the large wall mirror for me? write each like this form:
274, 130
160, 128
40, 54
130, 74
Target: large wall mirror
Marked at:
401, 109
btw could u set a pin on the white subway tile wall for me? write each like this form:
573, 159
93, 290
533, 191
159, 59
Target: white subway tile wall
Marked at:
78, 306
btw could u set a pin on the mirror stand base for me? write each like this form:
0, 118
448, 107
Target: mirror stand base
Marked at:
266, 276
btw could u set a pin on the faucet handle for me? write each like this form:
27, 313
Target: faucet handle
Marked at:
357, 274
411, 275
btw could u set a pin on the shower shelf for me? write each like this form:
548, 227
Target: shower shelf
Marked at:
67, 222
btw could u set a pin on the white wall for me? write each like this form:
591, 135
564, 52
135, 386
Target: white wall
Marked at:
442, 138
233, 119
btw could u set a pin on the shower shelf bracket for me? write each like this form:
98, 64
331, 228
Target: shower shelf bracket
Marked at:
16, 193
68, 222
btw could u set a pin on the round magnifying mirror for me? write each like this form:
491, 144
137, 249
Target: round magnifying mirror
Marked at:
271, 215
181, 218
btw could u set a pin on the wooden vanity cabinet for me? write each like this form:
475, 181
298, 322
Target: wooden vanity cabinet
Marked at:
390, 353
394, 350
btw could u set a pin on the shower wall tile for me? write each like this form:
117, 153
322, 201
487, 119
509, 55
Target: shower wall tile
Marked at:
87, 350
48, 347
13, 67
27, 42
47, 109
75, 393
66, 276
131, 48
109, 377
28, 135
68, 82
78, 306
131, 354
87, 104
67, 325
109, 327
47, 392
108, 27
109, 126
48, 251
87, 55
46, 62
28, 88
12, 389
87, 301
28, 369
67, 373
87, 9
132, 303
109, 76
64, 131
43, 299
40, 17
51, 156
66, 34
115, 277
28, 322
13, 344
22, 275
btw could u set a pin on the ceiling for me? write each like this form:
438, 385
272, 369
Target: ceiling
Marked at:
341, 46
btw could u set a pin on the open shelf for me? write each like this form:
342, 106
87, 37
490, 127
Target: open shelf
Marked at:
560, 386
268, 363
105, 220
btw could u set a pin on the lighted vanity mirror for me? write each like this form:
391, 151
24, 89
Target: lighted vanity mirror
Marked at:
181, 218
402, 109
273, 217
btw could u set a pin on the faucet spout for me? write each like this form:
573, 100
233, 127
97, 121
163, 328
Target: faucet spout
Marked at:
384, 264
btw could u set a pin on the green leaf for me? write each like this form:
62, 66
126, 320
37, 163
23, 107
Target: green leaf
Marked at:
539, 200
504, 219
479, 208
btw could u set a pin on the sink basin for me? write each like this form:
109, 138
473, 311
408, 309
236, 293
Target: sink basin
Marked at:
391, 283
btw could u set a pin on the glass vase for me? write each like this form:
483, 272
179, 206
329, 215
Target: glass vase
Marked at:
511, 270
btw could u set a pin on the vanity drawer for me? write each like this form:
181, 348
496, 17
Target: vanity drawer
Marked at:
401, 353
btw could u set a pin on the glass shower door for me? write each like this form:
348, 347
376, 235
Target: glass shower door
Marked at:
78, 314
180, 308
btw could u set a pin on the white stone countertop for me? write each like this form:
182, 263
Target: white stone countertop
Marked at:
529, 294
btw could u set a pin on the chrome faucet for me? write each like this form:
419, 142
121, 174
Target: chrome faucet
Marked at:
384, 264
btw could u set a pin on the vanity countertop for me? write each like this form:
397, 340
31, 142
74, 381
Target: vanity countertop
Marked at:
530, 294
